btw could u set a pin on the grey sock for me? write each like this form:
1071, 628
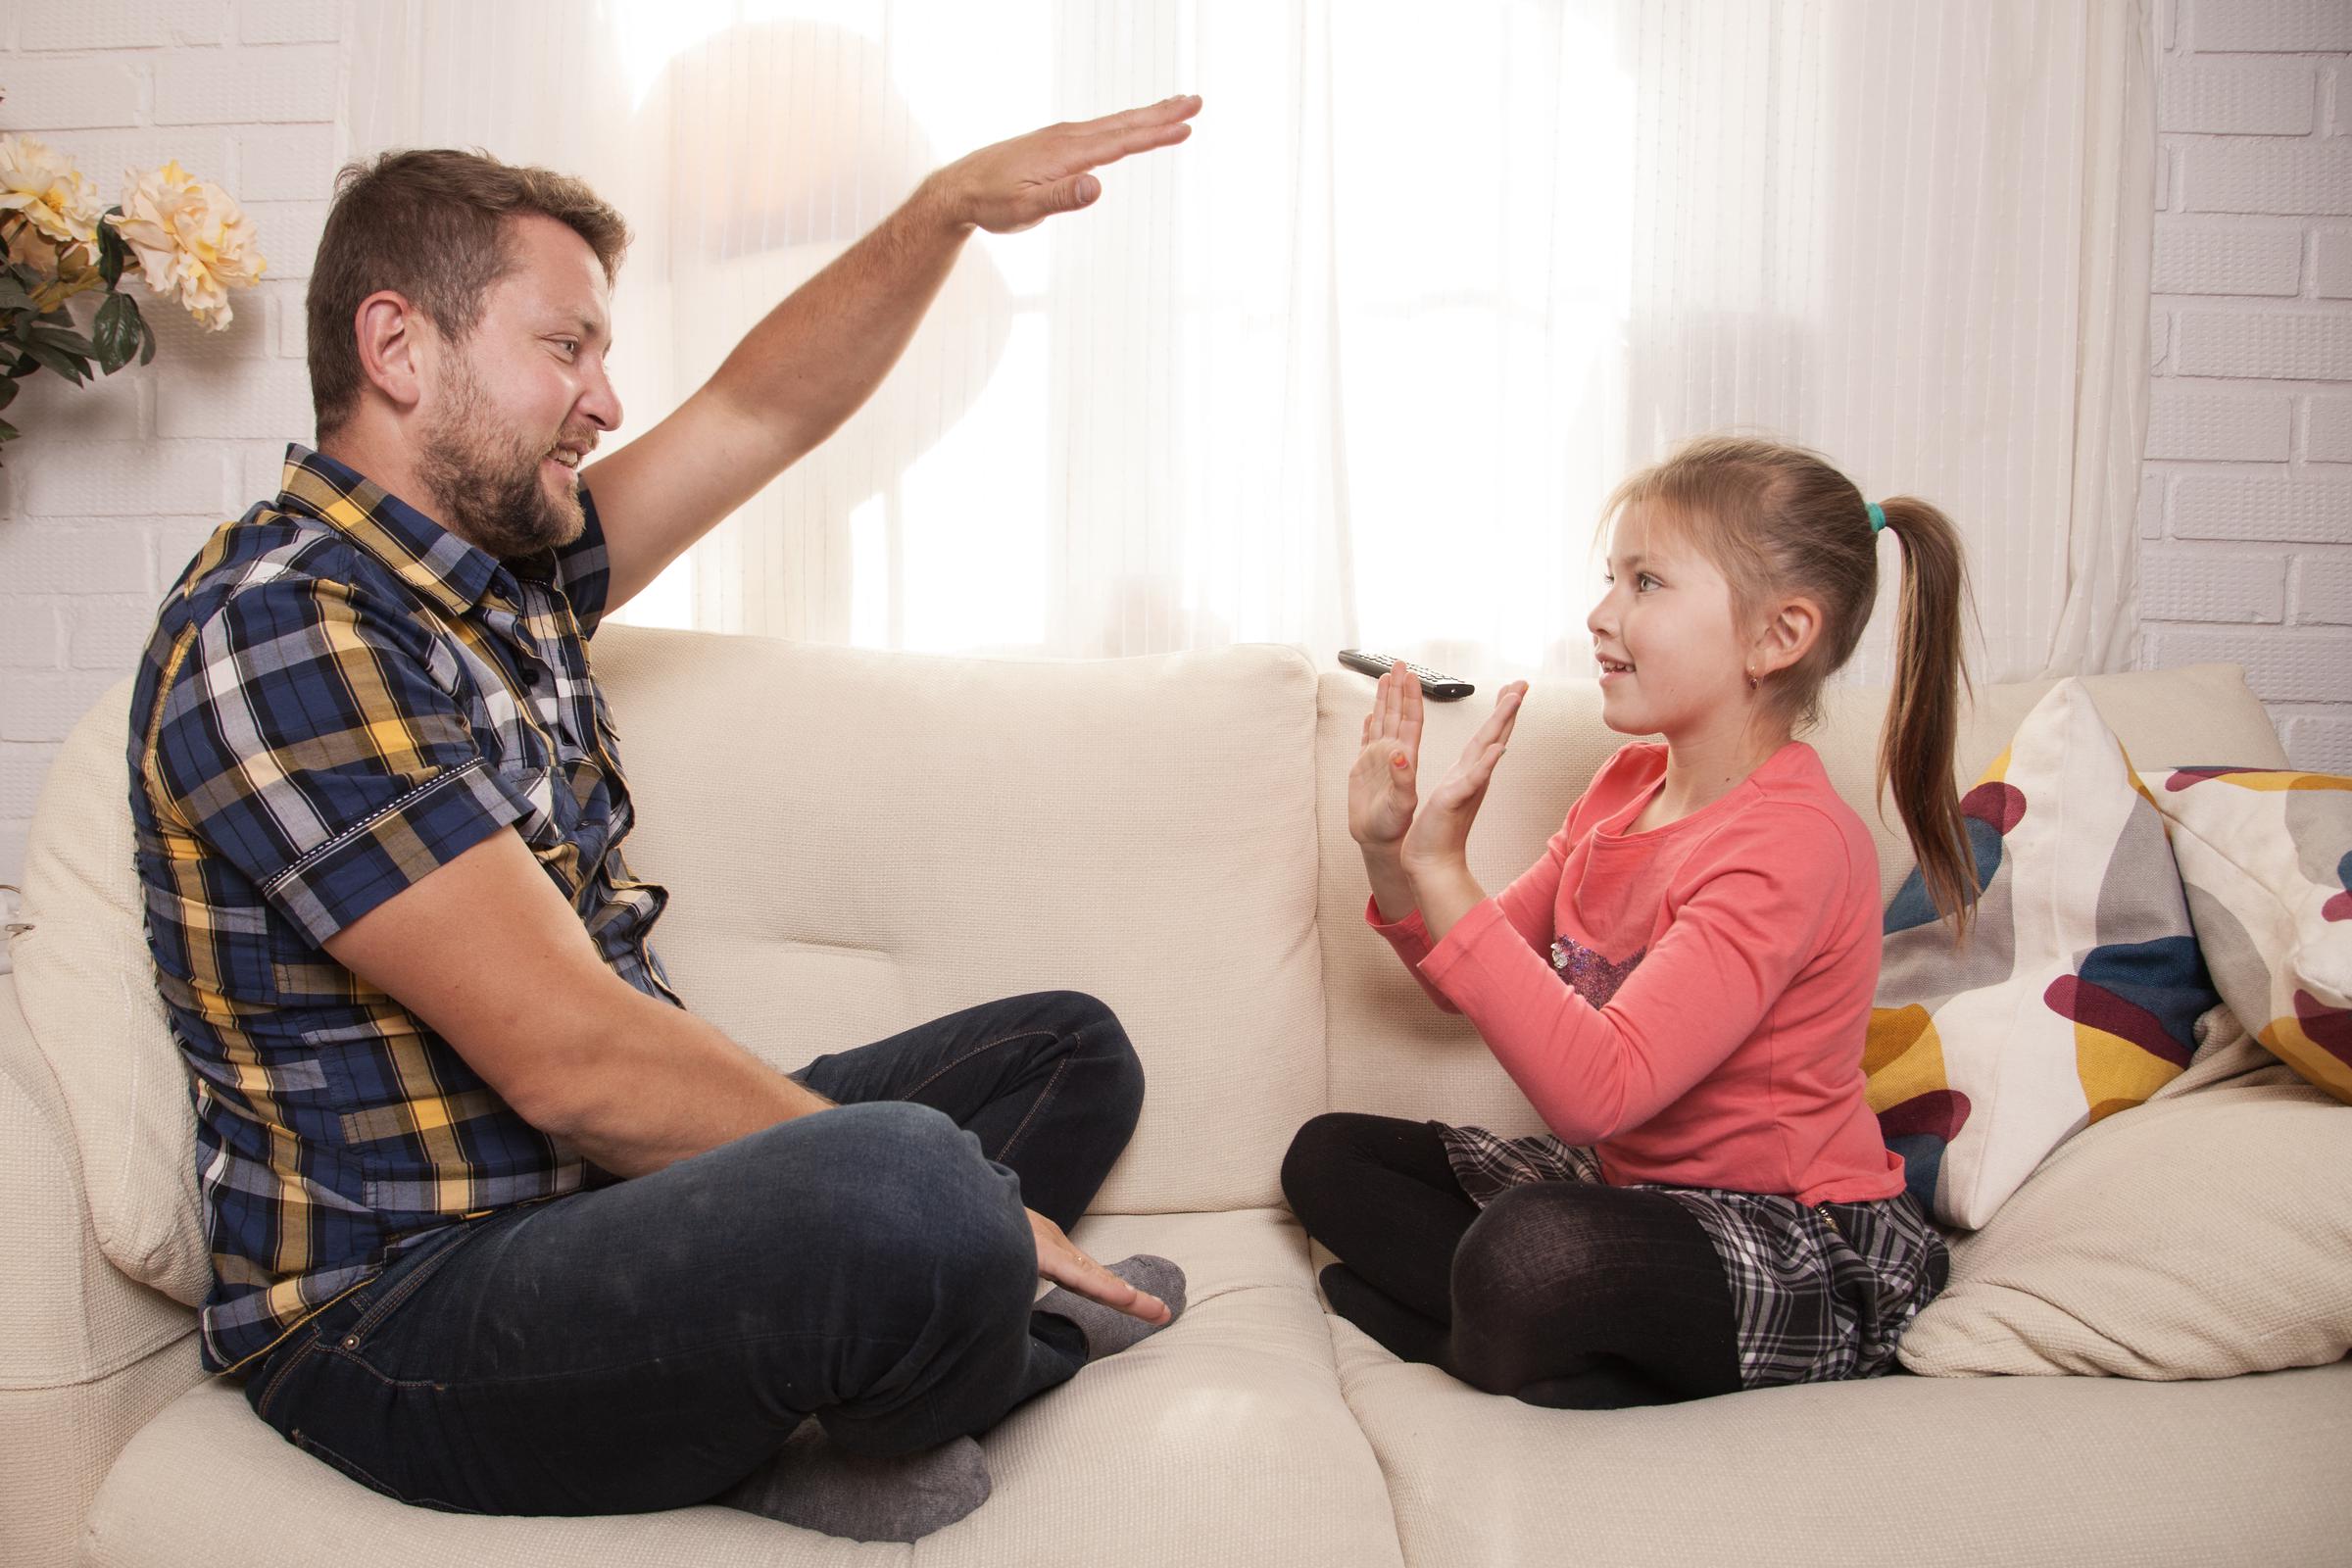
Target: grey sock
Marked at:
1107, 1330
813, 1483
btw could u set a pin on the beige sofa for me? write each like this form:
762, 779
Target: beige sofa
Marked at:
857, 841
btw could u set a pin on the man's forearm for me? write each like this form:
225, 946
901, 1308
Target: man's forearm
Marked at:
654, 1085
814, 359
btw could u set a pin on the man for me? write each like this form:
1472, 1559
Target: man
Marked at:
496, 1223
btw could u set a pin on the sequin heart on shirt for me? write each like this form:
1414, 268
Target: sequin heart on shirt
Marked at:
1595, 977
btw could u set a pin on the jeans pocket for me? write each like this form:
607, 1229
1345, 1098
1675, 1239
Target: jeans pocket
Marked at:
396, 1285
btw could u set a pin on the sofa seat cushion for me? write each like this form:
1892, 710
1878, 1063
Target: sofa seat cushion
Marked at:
1918, 1470
1222, 1440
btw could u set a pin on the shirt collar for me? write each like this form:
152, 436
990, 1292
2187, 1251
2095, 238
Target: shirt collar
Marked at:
416, 548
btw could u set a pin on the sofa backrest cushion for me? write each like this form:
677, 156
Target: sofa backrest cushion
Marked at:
2206, 1234
855, 842
87, 987
1393, 1053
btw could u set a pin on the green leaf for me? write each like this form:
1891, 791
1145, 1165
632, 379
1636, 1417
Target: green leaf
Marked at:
7, 431
71, 366
112, 253
116, 332
8, 390
13, 297
146, 341
65, 340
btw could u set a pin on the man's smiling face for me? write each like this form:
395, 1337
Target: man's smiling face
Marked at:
519, 402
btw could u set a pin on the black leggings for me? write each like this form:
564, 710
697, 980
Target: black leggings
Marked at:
1560, 1292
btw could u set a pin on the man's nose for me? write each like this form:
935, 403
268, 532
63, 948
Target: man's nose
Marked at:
599, 403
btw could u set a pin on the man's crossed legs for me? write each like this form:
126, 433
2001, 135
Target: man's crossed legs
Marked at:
649, 1345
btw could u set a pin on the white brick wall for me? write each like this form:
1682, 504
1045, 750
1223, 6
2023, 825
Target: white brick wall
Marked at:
116, 484
2246, 509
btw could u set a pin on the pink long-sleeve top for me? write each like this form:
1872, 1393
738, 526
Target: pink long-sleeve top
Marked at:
1691, 1001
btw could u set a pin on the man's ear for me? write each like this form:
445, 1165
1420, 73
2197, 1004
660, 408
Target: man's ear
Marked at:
397, 344
1789, 631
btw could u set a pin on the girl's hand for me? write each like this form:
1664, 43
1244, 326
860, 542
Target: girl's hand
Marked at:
1441, 830
1381, 788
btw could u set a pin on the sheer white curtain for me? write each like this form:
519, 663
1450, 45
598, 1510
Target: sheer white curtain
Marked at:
1359, 364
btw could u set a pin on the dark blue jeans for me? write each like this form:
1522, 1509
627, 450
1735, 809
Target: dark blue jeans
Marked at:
645, 1344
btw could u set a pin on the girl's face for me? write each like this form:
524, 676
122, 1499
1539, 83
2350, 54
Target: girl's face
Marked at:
1672, 662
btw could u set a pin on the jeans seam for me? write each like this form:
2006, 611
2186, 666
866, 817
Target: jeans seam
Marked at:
336, 1459
447, 1386
946, 1068
269, 1389
1044, 1097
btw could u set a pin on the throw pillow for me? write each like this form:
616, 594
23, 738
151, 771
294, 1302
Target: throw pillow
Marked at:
2076, 992
2207, 1234
2266, 858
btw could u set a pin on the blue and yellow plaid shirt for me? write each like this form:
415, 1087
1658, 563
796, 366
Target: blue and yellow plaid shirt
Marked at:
341, 696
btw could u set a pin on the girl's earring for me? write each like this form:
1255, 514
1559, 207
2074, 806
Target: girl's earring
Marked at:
1751, 678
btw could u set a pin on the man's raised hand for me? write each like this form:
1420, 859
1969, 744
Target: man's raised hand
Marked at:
1017, 185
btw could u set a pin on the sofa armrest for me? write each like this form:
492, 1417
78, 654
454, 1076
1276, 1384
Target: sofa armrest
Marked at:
89, 1356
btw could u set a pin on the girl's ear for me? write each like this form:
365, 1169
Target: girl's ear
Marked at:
1788, 634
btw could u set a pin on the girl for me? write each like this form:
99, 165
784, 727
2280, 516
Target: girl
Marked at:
1680, 986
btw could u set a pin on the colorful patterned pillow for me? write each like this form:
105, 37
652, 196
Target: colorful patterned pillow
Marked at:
2267, 857
2077, 993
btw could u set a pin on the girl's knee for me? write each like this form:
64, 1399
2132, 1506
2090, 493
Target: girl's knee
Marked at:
1316, 1150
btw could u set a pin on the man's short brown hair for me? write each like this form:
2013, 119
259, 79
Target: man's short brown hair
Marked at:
432, 226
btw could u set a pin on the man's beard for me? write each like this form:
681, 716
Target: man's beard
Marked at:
485, 486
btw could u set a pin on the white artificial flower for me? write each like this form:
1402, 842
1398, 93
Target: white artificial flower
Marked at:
191, 240
41, 184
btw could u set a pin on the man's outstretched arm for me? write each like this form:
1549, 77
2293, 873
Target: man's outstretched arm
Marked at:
816, 357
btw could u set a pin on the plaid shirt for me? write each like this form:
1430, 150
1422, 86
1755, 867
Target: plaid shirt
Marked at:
340, 697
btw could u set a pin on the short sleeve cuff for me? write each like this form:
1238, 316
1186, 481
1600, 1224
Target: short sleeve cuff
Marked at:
392, 851
584, 569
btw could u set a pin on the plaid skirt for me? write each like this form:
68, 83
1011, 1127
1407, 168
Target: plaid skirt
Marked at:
1819, 1291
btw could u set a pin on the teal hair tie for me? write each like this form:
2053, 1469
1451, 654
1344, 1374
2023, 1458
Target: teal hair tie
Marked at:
1878, 516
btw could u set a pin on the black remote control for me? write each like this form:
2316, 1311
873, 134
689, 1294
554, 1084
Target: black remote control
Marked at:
1434, 686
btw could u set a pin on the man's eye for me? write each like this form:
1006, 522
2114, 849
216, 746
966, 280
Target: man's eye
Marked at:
569, 345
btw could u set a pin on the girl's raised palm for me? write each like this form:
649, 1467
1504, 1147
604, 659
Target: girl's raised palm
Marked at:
1441, 830
1381, 788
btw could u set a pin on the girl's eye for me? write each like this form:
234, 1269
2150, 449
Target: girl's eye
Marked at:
1645, 580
